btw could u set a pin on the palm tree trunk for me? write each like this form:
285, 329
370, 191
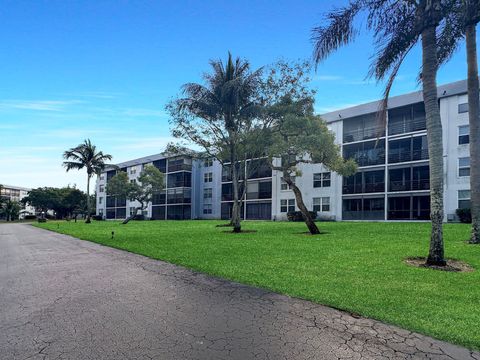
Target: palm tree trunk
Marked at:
237, 227
435, 144
312, 227
88, 221
474, 121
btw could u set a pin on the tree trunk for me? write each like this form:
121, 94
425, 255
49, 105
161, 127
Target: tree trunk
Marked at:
88, 221
134, 214
312, 227
474, 121
236, 202
435, 144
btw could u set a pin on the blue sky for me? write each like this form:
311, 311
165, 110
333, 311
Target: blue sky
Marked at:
104, 70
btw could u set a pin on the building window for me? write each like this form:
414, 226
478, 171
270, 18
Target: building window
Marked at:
287, 205
132, 210
101, 188
207, 193
207, 209
284, 185
102, 177
208, 177
462, 108
463, 134
321, 179
464, 166
463, 199
100, 200
321, 204
133, 181
133, 171
208, 162
100, 212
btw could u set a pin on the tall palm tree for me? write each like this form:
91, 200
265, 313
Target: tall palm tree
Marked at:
225, 104
86, 156
460, 24
398, 26
472, 18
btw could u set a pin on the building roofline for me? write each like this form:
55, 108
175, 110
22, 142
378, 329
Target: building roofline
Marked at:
5, 186
147, 159
443, 91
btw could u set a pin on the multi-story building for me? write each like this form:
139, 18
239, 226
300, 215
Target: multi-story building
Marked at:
17, 193
392, 182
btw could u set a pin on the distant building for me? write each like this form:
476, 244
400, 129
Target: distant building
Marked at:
17, 193
392, 183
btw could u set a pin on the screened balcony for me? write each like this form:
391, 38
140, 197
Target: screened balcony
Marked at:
362, 128
406, 119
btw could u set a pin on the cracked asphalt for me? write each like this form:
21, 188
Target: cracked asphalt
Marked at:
64, 298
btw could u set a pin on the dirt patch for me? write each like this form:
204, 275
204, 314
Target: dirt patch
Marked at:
452, 265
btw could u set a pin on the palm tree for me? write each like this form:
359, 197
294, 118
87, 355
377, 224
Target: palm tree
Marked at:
472, 18
226, 107
398, 26
86, 156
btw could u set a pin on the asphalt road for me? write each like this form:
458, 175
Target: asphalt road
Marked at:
64, 298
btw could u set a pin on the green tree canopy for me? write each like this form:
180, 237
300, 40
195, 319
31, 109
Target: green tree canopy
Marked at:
150, 182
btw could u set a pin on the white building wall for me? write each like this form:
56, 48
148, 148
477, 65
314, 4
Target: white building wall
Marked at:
451, 120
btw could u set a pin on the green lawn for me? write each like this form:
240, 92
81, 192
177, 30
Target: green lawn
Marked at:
352, 266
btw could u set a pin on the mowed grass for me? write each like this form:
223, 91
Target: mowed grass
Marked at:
356, 267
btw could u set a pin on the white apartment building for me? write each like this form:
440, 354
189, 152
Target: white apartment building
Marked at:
392, 182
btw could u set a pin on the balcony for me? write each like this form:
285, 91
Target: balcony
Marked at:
422, 184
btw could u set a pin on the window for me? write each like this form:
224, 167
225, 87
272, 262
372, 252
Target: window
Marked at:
462, 108
208, 162
321, 204
321, 180
100, 200
102, 177
463, 199
207, 193
287, 205
133, 181
207, 209
100, 212
284, 185
101, 188
132, 210
133, 171
463, 134
325, 204
464, 166
208, 177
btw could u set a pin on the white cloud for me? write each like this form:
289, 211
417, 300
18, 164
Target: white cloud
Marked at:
37, 105
327, 77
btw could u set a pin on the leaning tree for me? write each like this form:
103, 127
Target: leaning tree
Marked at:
150, 182
398, 26
86, 156
299, 137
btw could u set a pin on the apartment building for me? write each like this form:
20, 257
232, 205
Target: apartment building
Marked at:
17, 193
392, 182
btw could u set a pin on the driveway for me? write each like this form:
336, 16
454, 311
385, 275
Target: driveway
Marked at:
64, 298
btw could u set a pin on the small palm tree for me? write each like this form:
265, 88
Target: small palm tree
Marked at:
398, 26
225, 104
86, 156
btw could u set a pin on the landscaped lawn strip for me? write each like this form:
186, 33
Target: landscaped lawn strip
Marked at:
353, 266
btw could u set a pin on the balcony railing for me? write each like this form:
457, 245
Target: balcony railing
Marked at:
408, 185
179, 167
406, 126
397, 156
364, 188
259, 195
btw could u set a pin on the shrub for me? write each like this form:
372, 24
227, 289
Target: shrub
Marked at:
464, 215
139, 217
297, 215
42, 220
97, 217
30, 217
